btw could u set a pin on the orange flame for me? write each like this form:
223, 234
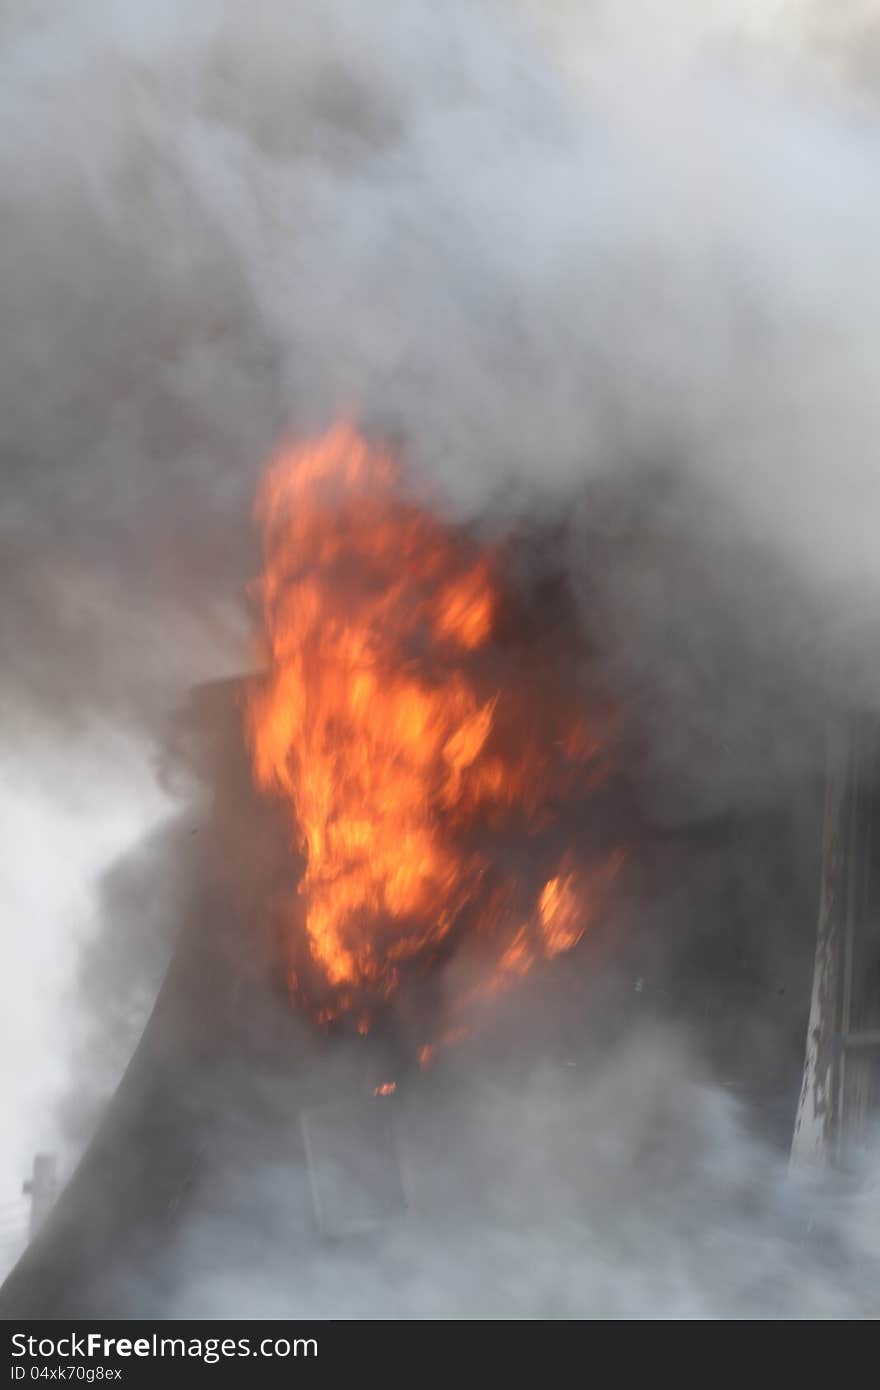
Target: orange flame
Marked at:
387, 742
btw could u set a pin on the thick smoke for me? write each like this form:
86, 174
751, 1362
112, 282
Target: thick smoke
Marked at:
632, 1190
604, 272
223, 226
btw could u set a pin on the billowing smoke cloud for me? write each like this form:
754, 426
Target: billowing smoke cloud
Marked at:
604, 271
221, 227
634, 1190
624, 1184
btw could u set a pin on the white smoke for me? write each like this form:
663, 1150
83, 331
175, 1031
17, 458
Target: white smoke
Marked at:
626, 1187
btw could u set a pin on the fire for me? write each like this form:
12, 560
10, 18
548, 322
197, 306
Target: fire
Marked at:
384, 726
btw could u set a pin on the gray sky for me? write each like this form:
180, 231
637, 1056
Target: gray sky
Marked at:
67, 809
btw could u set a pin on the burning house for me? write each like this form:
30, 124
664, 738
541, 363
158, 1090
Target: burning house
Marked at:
453, 374
422, 835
